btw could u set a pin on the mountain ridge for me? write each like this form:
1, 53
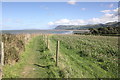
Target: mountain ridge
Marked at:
79, 27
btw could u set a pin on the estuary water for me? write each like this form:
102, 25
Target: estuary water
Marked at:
37, 31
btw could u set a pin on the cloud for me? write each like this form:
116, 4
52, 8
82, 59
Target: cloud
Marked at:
72, 2
104, 19
107, 17
110, 5
44, 7
110, 11
106, 11
83, 9
67, 22
107, 5
51, 23
116, 10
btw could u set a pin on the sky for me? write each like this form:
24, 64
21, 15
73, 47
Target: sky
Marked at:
47, 15
59, 0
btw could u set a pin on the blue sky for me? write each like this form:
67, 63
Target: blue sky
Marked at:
46, 15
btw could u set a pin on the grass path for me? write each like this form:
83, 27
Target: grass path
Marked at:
34, 67
35, 62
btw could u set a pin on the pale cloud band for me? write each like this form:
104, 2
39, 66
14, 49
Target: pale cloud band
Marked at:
109, 11
109, 16
60, 1
72, 2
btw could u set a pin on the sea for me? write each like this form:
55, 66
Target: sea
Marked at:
42, 31
37, 31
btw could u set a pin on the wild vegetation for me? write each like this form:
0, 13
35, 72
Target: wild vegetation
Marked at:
105, 30
89, 56
80, 56
13, 46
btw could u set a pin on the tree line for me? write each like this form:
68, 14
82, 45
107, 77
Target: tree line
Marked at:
104, 30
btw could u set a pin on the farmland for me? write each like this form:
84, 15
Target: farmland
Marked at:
80, 56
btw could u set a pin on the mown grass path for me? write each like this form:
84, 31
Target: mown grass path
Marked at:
35, 66
35, 62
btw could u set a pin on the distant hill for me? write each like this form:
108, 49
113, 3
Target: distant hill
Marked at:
111, 29
78, 27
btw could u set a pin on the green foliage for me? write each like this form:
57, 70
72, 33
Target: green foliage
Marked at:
80, 56
104, 30
98, 52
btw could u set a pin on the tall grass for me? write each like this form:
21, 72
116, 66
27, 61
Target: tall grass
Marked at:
89, 56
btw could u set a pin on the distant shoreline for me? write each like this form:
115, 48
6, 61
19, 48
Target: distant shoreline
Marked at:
44, 31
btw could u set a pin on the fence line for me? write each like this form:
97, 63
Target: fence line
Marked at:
57, 52
46, 40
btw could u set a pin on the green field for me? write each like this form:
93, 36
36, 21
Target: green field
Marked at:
80, 56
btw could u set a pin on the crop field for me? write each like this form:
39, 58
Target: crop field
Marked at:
80, 56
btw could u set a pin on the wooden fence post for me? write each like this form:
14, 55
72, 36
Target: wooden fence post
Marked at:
43, 36
57, 52
2, 53
47, 42
45, 39
1, 60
